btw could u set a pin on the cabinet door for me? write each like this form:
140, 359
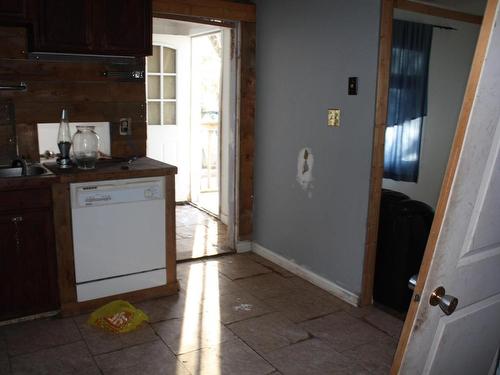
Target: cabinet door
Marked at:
27, 264
13, 12
63, 26
123, 27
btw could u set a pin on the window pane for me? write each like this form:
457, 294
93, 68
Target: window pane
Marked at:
169, 113
168, 60
153, 113
168, 87
154, 61
154, 87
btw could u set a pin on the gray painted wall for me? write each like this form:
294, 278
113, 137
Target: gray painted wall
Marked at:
306, 50
450, 61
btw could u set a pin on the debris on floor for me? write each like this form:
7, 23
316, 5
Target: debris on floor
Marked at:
243, 307
117, 317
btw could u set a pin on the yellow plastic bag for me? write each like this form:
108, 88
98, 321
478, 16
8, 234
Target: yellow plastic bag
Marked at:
118, 317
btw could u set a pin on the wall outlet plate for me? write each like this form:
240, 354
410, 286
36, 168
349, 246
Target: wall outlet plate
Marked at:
334, 117
125, 126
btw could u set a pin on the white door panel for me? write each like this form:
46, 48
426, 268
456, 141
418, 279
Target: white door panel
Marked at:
466, 260
473, 322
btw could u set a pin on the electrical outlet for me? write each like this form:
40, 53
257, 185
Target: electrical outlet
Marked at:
334, 117
125, 126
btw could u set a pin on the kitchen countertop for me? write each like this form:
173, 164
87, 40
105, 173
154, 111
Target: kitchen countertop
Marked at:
113, 169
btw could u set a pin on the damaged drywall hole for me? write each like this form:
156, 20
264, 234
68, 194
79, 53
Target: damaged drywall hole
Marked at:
305, 166
305, 163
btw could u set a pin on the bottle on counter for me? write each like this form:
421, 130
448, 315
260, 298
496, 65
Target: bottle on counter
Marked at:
64, 141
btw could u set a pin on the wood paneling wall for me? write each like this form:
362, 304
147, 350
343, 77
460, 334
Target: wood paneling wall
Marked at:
78, 85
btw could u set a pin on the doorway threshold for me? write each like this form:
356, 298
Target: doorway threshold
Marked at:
199, 234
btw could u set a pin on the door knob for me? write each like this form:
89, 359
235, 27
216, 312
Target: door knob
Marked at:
446, 302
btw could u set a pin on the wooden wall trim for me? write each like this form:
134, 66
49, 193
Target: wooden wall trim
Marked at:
246, 131
64, 243
220, 9
202, 20
463, 120
170, 243
437, 11
377, 168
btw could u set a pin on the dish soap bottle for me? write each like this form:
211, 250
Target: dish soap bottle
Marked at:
64, 141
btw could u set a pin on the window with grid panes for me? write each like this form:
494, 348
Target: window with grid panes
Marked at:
161, 86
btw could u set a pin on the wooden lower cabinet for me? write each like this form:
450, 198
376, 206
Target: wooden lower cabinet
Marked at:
28, 274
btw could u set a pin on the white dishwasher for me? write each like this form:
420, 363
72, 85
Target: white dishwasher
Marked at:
118, 236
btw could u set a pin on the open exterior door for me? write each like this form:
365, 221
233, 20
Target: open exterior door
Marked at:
463, 251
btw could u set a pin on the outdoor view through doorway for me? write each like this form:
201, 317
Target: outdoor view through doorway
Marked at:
206, 69
190, 117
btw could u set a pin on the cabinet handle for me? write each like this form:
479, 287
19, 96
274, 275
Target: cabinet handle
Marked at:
134, 74
21, 87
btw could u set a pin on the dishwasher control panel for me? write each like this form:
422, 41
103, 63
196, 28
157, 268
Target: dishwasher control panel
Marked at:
101, 193
153, 192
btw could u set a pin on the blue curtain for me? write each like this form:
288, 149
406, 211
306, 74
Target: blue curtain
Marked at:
411, 45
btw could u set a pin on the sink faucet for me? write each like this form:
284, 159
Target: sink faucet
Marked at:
21, 162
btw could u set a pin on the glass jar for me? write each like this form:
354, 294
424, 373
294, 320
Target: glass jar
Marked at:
85, 146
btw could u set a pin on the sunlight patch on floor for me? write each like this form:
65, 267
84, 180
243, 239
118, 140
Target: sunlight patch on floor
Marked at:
202, 314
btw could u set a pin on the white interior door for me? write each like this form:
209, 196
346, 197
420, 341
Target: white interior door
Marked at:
466, 260
168, 102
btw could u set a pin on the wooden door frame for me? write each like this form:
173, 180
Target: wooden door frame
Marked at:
377, 166
213, 11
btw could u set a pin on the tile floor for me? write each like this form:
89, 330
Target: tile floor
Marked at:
199, 234
234, 315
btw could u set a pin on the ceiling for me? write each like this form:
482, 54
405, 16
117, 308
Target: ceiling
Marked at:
174, 27
468, 6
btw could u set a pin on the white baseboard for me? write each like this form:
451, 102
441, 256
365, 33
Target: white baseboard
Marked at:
306, 274
243, 246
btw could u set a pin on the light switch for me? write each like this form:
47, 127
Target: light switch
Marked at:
334, 117
353, 86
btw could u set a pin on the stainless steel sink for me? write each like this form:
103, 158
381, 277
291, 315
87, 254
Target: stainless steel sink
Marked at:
32, 170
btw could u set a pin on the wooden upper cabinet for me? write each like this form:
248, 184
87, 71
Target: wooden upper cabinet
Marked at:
13, 12
124, 27
63, 26
101, 27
